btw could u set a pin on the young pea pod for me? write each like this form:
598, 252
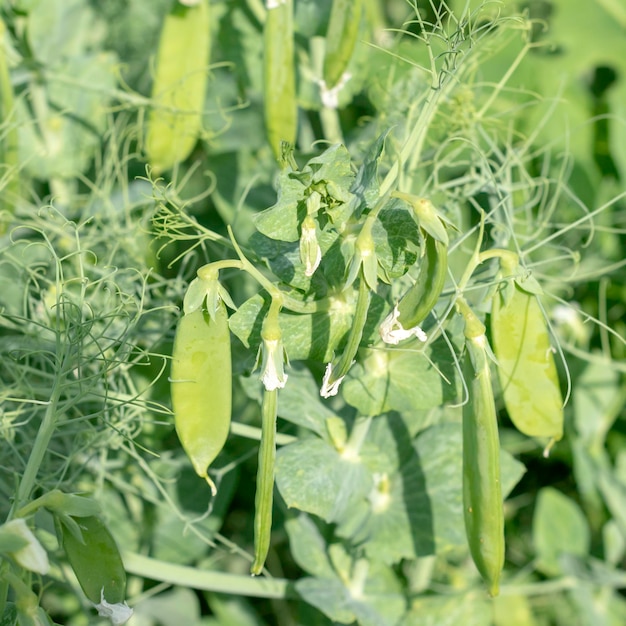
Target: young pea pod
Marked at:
526, 368
179, 87
264, 497
420, 299
273, 378
201, 385
403, 322
281, 114
341, 37
96, 561
482, 491
9, 174
337, 370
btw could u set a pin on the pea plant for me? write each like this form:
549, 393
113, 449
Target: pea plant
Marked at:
311, 313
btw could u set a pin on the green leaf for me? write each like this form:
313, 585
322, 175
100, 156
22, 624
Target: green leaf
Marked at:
469, 610
405, 379
559, 527
330, 174
396, 239
169, 608
308, 547
313, 476
62, 29
299, 402
65, 135
420, 511
379, 603
314, 336
598, 398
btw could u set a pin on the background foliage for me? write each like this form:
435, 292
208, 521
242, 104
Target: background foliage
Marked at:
528, 125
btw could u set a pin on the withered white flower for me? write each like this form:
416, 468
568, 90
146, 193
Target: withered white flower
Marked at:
273, 364
118, 613
310, 251
331, 389
392, 331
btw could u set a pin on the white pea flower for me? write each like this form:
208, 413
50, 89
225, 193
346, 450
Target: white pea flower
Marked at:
392, 331
330, 389
273, 364
118, 613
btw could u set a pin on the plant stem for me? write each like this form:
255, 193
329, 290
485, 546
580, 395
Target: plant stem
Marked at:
194, 578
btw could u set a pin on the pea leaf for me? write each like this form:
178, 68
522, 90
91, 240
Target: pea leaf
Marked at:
421, 511
380, 602
312, 476
299, 402
403, 379
470, 610
559, 527
62, 140
308, 547
306, 336
330, 174
396, 239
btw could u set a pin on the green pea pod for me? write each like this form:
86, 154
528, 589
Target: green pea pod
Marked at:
482, 491
421, 298
201, 386
337, 370
95, 559
179, 86
281, 114
526, 368
8, 138
341, 37
264, 497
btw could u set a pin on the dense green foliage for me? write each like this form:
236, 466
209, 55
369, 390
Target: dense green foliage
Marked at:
456, 136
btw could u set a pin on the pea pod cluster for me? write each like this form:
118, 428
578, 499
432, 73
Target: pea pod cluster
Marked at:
526, 367
179, 86
201, 384
482, 491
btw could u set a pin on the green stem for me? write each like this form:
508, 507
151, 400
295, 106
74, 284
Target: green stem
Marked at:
195, 578
331, 126
40, 446
357, 437
265, 482
287, 302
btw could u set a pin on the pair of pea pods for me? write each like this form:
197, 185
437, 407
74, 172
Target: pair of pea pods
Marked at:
530, 389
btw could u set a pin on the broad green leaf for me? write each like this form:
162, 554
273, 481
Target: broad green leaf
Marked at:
313, 476
284, 260
63, 138
403, 379
306, 336
416, 510
330, 174
299, 402
512, 610
396, 239
598, 397
169, 608
469, 610
614, 493
559, 527
308, 547
379, 603
59, 30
